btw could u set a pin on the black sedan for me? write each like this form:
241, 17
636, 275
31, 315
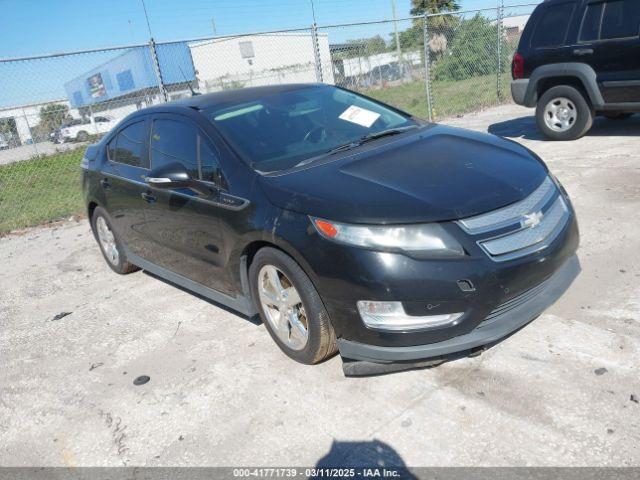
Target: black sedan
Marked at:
347, 224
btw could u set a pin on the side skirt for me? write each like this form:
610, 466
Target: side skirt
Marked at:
241, 303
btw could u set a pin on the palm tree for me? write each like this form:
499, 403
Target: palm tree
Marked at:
441, 24
420, 7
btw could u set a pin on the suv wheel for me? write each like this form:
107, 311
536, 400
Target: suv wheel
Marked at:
563, 113
291, 308
110, 246
82, 136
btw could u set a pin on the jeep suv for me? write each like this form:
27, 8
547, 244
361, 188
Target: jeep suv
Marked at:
578, 59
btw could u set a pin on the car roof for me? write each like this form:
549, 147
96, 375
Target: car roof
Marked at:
547, 2
241, 95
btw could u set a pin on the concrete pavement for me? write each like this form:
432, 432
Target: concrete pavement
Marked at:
559, 392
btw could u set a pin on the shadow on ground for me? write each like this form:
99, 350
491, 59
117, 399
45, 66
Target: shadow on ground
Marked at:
371, 454
525, 127
255, 319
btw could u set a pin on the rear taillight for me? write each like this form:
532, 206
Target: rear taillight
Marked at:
517, 66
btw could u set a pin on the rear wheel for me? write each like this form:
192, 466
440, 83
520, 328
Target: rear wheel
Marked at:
82, 136
110, 246
563, 113
290, 307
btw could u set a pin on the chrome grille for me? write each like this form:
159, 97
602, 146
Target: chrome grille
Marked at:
530, 236
511, 214
532, 224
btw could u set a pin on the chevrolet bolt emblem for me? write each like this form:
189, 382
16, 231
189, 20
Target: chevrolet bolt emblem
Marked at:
532, 220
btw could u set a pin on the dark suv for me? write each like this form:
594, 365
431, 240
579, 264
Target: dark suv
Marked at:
346, 223
578, 59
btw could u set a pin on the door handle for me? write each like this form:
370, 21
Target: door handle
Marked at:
148, 197
583, 51
106, 184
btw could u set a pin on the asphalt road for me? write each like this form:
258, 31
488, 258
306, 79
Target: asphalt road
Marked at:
563, 391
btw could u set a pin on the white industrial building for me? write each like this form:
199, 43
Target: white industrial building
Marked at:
253, 60
514, 26
24, 119
127, 82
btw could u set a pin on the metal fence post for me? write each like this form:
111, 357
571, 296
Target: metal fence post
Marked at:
34, 141
427, 69
499, 48
316, 52
158, 70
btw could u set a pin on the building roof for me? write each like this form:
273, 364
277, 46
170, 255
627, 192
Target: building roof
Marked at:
518, 21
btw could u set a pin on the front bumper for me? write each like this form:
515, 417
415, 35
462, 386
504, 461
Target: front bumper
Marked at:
509, 318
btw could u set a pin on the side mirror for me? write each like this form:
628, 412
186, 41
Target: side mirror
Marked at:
174, 175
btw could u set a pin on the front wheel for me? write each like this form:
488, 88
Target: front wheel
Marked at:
290, 307
563, 113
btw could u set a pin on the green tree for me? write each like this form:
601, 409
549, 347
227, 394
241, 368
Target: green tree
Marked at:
363, 47
472, 51
410, 39
413, 37
376, 45
53, 116
420, 7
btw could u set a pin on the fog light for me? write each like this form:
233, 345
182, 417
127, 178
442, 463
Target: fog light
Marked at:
392, 317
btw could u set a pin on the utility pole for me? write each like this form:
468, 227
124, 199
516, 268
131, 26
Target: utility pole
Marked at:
213, 25
146, 16
395, 28
313, 12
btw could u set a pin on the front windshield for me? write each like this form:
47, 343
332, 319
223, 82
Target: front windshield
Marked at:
279, 131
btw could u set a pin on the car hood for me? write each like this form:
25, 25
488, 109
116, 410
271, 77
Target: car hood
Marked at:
435, 174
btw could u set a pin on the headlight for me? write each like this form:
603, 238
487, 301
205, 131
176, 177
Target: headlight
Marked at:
429, 238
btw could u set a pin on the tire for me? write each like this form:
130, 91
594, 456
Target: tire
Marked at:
120, 264
574, 116
321, 339
82, 136
617, 115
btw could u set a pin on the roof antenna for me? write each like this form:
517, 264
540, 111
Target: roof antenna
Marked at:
184, 77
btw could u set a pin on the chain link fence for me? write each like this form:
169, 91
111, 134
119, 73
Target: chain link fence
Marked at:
52, 106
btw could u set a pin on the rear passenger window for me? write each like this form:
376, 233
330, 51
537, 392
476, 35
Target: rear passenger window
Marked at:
552, 26
609, 20
621, 19
127, 146
591, 23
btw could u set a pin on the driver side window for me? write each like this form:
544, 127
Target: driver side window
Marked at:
176, 141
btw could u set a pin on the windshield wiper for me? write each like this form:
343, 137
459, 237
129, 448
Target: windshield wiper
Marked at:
386, 133
357, 143
338, 149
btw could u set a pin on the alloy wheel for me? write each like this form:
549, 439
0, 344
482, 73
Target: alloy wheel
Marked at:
283, 307
107, 241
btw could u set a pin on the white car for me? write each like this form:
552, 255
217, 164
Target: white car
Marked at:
79, 130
